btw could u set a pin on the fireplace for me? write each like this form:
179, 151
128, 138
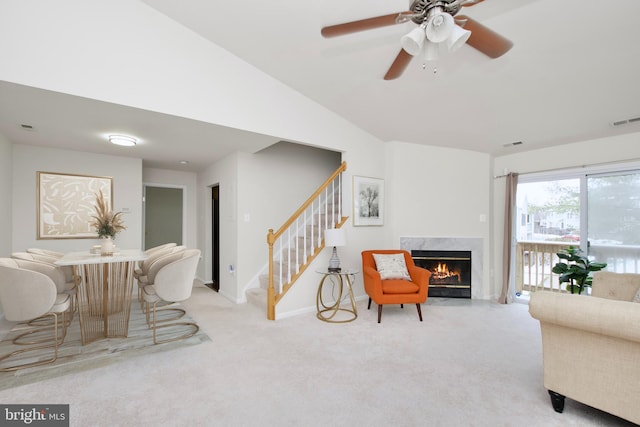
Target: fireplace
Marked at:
450, 272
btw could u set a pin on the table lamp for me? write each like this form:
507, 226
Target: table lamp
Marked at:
335, 237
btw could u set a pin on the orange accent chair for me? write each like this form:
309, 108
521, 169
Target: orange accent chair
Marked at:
394, 291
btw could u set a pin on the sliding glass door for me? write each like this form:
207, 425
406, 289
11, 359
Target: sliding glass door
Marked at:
613, 218
598, 212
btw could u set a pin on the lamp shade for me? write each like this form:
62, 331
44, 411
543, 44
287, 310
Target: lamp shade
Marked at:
439, 27
458, 37
335, 237
431, 51
413, 41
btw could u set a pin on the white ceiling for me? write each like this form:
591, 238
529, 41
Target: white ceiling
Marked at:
571, 73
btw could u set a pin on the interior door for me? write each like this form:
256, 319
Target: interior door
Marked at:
215, 237
163, 216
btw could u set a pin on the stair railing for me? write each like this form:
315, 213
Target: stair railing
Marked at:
300, 239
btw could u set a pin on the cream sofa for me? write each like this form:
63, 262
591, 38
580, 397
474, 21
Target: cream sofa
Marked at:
591, 345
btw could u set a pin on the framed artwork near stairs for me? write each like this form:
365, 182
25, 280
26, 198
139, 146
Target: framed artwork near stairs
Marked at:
368, 201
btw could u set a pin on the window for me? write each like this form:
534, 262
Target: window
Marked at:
596, 210
549, 211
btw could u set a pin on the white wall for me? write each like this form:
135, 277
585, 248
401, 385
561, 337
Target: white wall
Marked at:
127, 193
439, 192
587, 153
6, 177
224, 174
273, 184
174, 71
6, 180
364, 157
205, 82
267, 196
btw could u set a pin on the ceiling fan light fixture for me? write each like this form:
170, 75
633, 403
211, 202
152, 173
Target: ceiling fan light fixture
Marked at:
431, 51
439, 27
458, 37
413, 41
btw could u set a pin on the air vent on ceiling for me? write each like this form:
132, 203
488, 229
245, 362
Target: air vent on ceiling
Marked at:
26, 127
626, 122
511, 144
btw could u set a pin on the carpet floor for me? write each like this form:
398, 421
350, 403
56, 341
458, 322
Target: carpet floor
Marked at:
74, 357
470, 363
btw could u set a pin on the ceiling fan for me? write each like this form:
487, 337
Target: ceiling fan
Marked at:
437, 29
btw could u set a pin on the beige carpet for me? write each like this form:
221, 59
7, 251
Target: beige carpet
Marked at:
75, 357
470, 363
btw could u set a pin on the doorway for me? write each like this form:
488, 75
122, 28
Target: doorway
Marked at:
163, 215
215, 237
598, 212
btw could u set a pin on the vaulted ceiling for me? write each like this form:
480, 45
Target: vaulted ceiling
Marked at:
570, 75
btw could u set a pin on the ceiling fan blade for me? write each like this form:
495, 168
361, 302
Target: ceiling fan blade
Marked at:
469, 3
364, 24
484, 39
399, 65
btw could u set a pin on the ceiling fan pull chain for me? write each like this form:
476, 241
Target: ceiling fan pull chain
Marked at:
424, 67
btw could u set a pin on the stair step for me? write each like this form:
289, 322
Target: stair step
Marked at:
257, 297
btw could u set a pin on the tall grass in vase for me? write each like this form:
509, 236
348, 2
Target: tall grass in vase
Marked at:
106, 223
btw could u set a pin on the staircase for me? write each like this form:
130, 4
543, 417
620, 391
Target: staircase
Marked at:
301, 238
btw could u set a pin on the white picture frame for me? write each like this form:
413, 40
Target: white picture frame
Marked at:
368, 201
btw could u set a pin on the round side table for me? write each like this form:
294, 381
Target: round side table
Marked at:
339, 280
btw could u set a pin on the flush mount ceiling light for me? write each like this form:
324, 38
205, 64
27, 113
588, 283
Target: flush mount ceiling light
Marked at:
126, 141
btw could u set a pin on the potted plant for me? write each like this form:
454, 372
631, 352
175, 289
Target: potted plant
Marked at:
106, 223
576, 271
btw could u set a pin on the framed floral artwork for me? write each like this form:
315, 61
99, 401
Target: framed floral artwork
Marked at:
368, 201
66, 203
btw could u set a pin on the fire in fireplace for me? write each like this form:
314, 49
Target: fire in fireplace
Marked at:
450, 272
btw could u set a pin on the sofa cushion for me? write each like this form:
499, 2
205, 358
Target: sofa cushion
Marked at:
391, 266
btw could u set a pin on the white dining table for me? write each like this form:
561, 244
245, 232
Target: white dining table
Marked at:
104, 291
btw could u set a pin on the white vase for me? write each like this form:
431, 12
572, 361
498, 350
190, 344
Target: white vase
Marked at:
106, 246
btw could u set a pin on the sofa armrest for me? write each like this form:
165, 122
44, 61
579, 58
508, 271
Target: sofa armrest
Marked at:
620, 319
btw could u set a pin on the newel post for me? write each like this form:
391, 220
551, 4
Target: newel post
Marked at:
271, 293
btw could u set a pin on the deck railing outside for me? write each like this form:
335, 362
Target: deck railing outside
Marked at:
535, 260
301, 238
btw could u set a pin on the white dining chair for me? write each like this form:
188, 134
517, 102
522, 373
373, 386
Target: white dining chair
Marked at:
26, 295
47, 252
159, 248
172, 283
153, 253
63, 276
149, 266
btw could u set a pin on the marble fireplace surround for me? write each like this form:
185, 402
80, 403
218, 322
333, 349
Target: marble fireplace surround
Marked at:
473, 244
